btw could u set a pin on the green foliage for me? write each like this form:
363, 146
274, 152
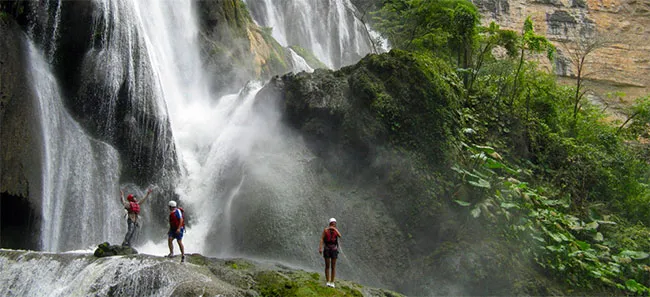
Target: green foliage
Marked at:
298, 284
639, 116
415, 101
443, 27
576, 250
587, 180
533, 42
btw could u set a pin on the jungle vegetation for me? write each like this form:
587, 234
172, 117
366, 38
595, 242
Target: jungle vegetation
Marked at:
550, 173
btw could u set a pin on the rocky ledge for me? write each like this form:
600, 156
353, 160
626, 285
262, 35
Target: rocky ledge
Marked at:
28, 273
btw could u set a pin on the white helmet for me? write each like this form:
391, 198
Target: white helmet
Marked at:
172, 203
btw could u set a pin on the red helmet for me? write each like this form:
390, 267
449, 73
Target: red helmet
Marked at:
130, 197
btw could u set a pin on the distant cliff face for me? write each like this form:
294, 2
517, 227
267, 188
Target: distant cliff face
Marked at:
623, 61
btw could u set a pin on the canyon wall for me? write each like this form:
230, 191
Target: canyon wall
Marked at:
619, 29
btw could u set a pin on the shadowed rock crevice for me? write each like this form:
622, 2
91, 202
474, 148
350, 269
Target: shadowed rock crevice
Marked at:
19, 223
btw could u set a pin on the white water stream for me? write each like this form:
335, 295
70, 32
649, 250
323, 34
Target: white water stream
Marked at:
79, 173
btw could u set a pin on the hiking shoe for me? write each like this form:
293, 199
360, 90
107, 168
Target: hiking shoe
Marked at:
183, 259
170, 255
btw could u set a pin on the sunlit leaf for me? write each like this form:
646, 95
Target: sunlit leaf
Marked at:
554, 248
598, 236
485, 149
634, 254
462, 203
555, 236
634, 286
591, 226
508, 205
583, 245
481, 183
476, 212
469, 131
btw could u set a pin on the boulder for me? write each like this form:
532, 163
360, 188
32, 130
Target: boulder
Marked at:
106, 250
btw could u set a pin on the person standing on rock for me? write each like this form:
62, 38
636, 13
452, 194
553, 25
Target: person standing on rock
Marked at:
329, 239
132, 207
176, 229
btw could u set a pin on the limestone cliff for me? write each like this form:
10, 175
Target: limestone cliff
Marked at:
622, 62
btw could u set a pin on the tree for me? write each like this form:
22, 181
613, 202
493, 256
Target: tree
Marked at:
465, 20
531, 42
488, 38
639, 112
582, 44
446, 27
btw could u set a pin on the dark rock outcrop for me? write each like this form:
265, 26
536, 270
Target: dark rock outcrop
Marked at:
20, 157
17, 113
390, 99
106, 250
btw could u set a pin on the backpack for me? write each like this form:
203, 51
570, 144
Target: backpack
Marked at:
173, 221
330, 237
184, 217
134, 207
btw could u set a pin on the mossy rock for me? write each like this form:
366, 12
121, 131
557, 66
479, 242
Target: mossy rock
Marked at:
300, 283
106, 250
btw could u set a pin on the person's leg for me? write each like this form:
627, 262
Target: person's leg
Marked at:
327, 269
333, 274
181, 246
129, 232
170, 244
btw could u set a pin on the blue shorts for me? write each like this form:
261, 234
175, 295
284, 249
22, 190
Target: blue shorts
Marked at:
178, 236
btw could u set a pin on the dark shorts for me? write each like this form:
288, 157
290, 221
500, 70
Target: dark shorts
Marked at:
331, 252
178, 236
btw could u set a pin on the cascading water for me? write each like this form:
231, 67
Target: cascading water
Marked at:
214, 136
328, 28
248, 184
244, 177
79, 174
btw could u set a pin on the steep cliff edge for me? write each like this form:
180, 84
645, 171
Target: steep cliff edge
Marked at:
623, 63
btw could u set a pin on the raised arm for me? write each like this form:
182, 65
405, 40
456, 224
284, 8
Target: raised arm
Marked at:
122, 196
145, 196
338, 233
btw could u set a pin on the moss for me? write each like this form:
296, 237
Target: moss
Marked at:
298, 283
239, 264
414, 96
4, 16
196, 260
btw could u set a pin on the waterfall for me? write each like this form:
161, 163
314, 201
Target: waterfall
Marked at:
299, 62
79, 174
328, 28
244, 176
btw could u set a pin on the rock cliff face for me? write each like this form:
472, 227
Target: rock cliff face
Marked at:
623, 24
19, 160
